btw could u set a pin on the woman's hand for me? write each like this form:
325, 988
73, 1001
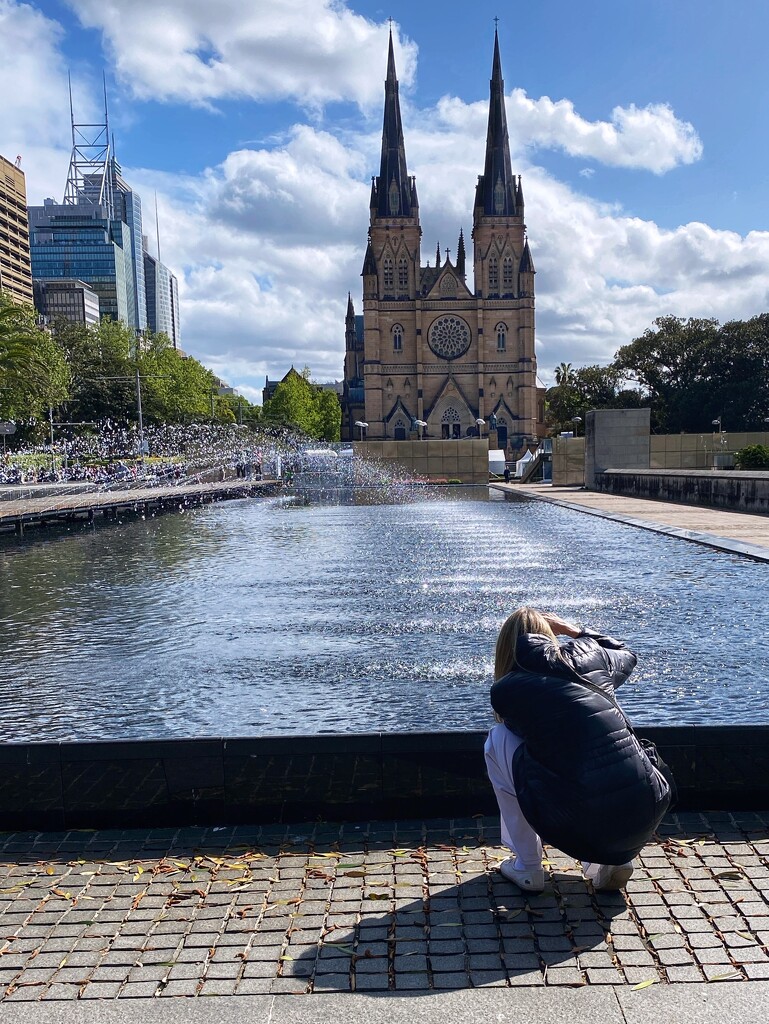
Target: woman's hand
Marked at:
560, 626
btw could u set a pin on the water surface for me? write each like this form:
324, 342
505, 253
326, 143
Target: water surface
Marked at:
262, 617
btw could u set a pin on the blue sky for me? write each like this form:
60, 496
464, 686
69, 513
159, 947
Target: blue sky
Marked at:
640, 130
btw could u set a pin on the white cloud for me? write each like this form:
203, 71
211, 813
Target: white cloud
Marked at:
273, 239
311, 51
35, 121
268, 242
651, 138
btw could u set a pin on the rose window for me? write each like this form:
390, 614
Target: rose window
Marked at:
449, 337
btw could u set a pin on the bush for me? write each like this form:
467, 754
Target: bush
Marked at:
755, 456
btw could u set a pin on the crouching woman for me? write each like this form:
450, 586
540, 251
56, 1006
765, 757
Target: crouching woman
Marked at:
564, 763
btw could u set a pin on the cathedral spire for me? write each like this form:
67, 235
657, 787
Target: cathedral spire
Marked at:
438, 254
394, 192
496, 188
461, 253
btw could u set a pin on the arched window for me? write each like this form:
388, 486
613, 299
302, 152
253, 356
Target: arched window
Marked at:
507, 274
403, 275
493, 274
399, 434
451, 423
397, 333
501, 337
388, 274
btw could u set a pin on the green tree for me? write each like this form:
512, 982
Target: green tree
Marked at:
329, 415
99, 359
671, 365
293, 404
586, 388
33, 369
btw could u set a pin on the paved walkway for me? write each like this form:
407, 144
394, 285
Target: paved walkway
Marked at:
408, 907
740, 532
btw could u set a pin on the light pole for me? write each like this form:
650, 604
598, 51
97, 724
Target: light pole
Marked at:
420, 425
363, 427
717, 423
480, 424
576, 420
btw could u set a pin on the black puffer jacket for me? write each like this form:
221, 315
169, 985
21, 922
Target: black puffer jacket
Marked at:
580, 775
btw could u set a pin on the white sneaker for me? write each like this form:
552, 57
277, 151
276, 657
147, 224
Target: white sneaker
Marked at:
607, 877
528, 879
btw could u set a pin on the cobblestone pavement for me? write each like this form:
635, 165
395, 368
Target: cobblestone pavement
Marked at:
407, 906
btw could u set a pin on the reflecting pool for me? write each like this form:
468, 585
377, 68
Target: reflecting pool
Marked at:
271, 616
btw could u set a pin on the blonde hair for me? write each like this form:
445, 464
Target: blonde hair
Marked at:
523, 620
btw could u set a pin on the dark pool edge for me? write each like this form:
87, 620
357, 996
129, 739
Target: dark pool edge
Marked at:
252, 780
710, 540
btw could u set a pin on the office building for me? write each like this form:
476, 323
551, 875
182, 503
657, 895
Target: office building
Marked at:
70, 299
162, 297
15, 269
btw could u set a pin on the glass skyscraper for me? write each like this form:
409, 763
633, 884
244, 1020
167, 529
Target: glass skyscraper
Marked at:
82, 242
162, 299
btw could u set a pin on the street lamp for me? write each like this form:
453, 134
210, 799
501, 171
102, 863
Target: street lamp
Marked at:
576, 420
717, 423
480, 424
420, 425
363, 427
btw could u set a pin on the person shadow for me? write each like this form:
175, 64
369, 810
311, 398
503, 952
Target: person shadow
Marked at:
478, 931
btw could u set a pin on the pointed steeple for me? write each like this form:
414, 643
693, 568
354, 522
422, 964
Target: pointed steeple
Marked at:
395, 192
369, 263
438, 254
496, 192
350, 308
527, 263
461, 253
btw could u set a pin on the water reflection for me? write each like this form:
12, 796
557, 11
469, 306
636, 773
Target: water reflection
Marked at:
264, 617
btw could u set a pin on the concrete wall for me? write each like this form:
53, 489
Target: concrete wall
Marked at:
466, 460
697, 451
568, 461
615, 439
220, 781
666, 451
744, 491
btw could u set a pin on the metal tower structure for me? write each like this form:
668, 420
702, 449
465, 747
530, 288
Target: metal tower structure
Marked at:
90, 178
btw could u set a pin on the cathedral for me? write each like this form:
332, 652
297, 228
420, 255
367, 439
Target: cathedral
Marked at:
432, 356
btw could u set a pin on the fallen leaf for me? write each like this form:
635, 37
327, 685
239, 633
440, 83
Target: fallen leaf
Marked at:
50, 871
378, 896
644, 984
355, 874
725, 976
744, 935
731, 873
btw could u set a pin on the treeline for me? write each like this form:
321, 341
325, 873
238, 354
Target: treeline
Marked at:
689, 372
88, 374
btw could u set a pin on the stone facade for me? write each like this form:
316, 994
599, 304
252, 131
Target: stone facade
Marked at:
438, 354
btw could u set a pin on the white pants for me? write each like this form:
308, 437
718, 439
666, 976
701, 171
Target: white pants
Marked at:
517, 833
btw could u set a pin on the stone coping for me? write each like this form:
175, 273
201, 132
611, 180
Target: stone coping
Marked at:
705, 474
416, 907
146, 783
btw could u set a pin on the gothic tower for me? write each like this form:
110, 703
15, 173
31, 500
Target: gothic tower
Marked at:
436, 352
504, 270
